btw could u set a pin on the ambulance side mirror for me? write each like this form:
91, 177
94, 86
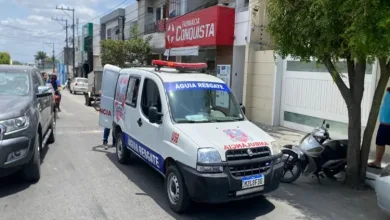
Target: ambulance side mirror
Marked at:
154, 115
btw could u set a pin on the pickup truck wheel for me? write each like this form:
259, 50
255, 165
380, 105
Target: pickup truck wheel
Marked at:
122, 153
176, 190
32, 171
52, 137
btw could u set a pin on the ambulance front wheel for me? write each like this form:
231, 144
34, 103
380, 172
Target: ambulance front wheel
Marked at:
122, 153
176, 190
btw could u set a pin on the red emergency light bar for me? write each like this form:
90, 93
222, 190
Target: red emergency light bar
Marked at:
177, 65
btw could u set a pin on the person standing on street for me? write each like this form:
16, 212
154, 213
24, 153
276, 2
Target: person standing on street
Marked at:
106, 133
383, 134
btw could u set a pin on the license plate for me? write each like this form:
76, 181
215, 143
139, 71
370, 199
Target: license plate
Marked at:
252, 181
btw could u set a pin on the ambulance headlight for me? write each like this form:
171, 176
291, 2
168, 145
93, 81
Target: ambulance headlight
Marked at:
276, 149
209, 156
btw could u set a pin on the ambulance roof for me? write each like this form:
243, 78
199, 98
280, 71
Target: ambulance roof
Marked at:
173, 75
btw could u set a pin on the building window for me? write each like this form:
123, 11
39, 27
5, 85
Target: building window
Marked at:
108, 33
174, 8
158, 14
298, 66
246, 3
150, 10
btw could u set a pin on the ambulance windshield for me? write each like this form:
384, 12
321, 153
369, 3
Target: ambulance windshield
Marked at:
202, 102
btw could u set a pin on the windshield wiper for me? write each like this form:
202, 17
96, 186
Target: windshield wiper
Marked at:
192, 121
227, 120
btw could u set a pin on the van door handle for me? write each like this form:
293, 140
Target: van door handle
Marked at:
139, 122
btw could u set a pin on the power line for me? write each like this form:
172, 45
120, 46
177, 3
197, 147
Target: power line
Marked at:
22, 29
66, 40
73, 44
105, 13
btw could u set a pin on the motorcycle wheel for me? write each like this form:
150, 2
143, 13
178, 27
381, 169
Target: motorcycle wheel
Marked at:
96, 105
289, 164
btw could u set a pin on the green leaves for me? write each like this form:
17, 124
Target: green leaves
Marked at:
5, 58
356, 28
41, 55
120, 53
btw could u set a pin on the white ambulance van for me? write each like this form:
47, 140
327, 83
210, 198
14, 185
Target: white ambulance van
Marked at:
189, 127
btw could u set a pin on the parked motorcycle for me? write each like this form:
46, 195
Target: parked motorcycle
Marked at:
316, 154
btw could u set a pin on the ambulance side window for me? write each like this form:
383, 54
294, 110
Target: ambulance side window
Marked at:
132, 91
150, 97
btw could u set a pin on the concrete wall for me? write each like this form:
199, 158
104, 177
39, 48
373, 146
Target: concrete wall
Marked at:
96, 46
238, 72
131, 17
259, 79
241, 28
141, 15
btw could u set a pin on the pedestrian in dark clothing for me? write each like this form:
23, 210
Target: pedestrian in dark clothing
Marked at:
106, 133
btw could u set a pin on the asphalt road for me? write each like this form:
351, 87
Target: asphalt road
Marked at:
81, 180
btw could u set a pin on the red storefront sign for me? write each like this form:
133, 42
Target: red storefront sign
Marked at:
210, 26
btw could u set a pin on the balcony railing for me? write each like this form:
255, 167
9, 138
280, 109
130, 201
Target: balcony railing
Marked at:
156, 27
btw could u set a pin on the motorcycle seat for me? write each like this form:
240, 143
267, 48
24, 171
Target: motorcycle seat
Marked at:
335, 149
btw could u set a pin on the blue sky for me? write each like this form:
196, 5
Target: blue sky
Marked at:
26, 25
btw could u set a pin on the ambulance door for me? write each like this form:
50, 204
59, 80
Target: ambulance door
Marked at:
109, 81
120, 99
148, 136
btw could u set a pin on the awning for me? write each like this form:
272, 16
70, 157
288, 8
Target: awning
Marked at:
182, 51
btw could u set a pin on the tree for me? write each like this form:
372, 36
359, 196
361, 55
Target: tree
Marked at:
329, 30
119, 53
50, 59
112, 52
17, 62
5, 58
41, 56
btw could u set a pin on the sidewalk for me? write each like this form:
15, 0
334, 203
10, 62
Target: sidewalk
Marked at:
288, 136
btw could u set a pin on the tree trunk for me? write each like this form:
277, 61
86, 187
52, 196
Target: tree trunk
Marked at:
372, 118
354, 138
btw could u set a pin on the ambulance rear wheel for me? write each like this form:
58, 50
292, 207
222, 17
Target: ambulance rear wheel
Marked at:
122, 153
176, 190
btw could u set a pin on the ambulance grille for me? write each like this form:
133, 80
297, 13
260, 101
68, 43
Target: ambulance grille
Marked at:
248, 169
242, 154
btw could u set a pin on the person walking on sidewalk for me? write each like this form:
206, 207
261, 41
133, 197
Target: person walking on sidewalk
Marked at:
383, 134
106, 133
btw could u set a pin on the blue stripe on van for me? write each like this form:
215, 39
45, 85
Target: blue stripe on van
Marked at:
148, 155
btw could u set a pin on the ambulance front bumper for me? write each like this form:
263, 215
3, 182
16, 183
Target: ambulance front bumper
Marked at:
225, 187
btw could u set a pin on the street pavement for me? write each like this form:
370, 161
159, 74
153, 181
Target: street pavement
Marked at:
81, 180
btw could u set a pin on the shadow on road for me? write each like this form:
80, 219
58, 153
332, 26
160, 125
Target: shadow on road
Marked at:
152, 184
14, 183
330, 200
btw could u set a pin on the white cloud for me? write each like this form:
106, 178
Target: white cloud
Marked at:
27, 33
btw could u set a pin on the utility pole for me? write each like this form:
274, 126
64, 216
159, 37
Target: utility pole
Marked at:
66, 40
53, 58
73, 27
